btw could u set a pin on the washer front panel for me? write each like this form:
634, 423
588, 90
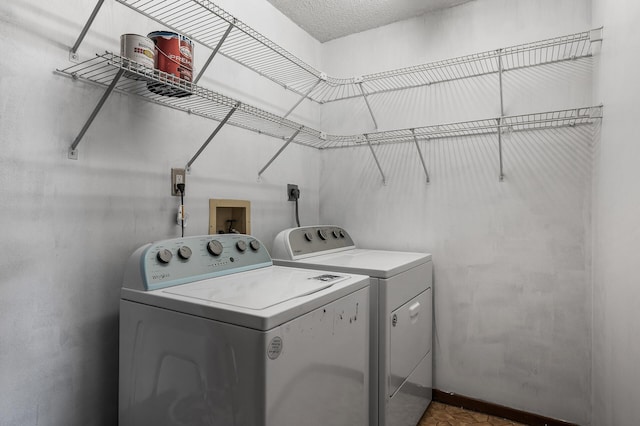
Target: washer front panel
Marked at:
177, 368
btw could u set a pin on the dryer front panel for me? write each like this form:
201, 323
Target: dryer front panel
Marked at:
409, 338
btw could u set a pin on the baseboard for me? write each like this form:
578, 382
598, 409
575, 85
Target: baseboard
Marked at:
484, 407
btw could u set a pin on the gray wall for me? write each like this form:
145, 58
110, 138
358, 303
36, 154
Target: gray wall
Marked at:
616, 348
70, 225
512, 259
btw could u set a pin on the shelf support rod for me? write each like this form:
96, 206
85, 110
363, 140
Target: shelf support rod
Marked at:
73, 153
375, 157
213, 135
500, 82
215, 52
302, 98
73, 52
499, 120
366, 100
424, 166
501, 177
291, 138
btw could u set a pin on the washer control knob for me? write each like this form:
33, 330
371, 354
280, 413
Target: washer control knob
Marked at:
255, 245
322, 234
214, 247
241, 245
341, 233
164, 256
335, 233
184, 252
308, 236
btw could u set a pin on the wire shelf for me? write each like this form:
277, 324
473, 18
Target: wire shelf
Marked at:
516, 123
150, 84
206, 23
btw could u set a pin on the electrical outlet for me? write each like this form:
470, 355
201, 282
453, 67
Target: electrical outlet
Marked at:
177, 176
293, 192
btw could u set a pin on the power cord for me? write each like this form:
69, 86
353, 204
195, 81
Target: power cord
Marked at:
295, 193
297, 217
180, 187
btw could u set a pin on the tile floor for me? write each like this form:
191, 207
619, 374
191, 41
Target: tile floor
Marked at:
439, 414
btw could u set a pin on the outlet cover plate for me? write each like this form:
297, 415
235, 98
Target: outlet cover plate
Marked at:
177, 176
291, 186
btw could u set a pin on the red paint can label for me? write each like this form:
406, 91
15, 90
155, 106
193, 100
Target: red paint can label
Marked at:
173, 54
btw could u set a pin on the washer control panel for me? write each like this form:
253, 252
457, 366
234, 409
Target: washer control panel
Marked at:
315, 239
181, 260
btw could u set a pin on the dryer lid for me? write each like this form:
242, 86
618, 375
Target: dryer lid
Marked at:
375, 263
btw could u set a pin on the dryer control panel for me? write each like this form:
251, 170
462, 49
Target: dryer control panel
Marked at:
297, 243
182, 260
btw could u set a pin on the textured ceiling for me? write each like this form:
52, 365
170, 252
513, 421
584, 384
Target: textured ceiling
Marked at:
329, 19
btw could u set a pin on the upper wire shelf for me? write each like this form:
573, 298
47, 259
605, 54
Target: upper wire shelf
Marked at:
196, 100
208, 24
544, 52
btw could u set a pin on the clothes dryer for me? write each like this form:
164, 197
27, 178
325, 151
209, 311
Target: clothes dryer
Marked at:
401, 310
211, 333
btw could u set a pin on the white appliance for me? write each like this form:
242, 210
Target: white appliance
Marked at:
211, 333
401, 314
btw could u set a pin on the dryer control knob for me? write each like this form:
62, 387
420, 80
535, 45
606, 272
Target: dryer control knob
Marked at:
308, 236
322, 234
214, 247
335, 233
341, 233
164, 256
241, 245
255, 245
184, 252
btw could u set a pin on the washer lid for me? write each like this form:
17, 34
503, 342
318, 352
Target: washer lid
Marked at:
375, 263
254, 291
260, 299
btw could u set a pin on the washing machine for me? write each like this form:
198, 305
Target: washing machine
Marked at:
212, 333
401, 309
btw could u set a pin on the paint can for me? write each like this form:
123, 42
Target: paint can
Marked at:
138, 49
174, 56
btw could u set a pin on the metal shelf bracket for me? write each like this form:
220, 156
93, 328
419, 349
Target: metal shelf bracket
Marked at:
375, 157
366, 100
302, 98
73, 149
291, 138
213, 135
424, 165
499, 121
73, 53
215, 51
